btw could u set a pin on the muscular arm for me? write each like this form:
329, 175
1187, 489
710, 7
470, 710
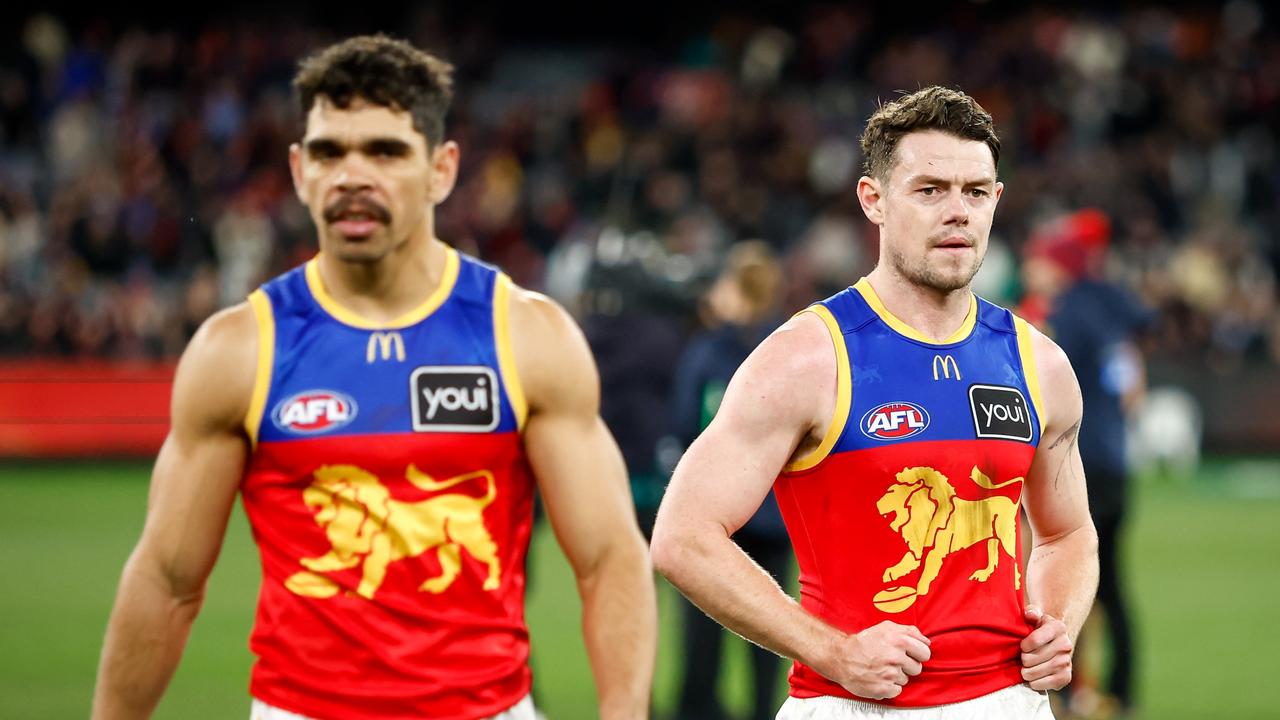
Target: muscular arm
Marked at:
777, 408
1062, 573
583, 481
193, 486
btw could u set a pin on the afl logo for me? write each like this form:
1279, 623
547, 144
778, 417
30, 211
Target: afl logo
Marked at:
895, 421
314, 411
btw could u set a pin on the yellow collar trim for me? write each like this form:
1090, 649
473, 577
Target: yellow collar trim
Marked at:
414, 316
868, 293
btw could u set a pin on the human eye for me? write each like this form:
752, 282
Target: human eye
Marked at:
387, 150
323, 150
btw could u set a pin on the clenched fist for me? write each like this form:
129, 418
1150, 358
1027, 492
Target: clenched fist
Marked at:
1046, 652
878, 661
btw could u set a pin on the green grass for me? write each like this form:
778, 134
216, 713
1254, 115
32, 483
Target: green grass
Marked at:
1204, 576
1205, 572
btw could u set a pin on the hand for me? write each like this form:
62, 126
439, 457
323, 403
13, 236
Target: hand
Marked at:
1046, 652
878, 661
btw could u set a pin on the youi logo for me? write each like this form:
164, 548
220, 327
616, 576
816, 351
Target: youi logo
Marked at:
895, 421
454, 398
314, 411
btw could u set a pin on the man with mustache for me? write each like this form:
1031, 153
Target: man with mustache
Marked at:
901, 496
386, 411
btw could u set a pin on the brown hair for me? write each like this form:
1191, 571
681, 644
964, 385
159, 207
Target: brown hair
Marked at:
753, 267
931, 108
382, 71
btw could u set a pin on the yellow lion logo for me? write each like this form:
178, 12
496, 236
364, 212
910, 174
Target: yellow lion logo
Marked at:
364, 524
935, 523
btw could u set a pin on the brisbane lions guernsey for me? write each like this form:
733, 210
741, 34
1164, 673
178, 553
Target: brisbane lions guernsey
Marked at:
908, 509
391, 501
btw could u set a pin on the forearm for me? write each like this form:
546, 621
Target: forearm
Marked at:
1062, 576
717, 576
620, 618
145, 637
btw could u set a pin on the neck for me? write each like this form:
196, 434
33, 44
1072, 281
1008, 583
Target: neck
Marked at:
385, 289
935, 313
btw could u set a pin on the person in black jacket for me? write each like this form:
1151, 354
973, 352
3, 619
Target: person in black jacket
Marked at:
741, 308
1096, 324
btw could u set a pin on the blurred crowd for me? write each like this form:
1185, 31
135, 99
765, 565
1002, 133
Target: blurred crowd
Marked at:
144, 185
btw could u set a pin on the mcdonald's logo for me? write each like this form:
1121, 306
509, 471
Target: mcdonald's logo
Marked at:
947, 364
382, 345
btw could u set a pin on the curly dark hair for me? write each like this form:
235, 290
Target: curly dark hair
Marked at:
931, 108
384, 71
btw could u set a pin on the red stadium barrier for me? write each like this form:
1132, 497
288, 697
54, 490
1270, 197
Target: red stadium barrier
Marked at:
52, 408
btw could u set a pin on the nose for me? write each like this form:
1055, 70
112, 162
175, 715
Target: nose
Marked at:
957, 209
353, 175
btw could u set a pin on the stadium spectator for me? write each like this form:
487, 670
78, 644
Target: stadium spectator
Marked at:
1097, 325
130, 141
742, 307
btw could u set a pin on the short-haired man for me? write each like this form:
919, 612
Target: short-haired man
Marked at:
384, 411
902, 424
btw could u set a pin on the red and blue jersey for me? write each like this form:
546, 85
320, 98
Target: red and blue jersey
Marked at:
391, 500
908, 509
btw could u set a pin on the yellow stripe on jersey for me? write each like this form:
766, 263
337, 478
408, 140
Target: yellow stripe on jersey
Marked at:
506, 353
844, 394
413, 317
261, 305
868, 293
1029, 371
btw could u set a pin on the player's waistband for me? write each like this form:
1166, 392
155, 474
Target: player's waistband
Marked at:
1016, 702
259, 710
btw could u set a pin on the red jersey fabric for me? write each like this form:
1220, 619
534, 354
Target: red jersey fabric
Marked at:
391, 500
909, 510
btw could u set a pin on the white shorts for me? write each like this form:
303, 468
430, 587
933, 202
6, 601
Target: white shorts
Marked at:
522, 710
1017, 702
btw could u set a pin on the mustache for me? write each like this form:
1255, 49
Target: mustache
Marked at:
352, 202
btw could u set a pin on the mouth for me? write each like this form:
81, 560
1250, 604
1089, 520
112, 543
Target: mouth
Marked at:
954, 243
356, 218
356, 225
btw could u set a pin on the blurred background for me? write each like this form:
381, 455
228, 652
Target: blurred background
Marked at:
682, 178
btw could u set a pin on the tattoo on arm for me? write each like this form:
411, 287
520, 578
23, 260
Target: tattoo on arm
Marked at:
1070, 435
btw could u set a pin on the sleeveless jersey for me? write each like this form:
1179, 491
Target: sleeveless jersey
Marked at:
908, 509
391, 501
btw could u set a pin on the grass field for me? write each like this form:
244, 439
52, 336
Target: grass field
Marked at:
1205, 574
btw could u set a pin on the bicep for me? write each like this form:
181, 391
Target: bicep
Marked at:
193, 487
725, 474
768, 411
577, 465
199, 467
1055, 498
583, 482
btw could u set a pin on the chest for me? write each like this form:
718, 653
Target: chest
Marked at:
330, 379
905, 391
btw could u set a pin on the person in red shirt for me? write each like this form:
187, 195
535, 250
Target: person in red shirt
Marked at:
386, 412
902, 424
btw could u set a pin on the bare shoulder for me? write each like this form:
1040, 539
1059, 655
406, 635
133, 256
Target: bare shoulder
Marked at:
800, 348
539, 316
789, 379
552, 356
1058, 384
1051, 361
215, 377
